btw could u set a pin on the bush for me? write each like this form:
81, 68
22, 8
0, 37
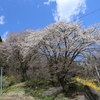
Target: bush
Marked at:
32, 83
40, 83
8, 81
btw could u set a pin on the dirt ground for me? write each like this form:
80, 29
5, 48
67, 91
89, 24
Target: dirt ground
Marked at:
22, 96
16, 96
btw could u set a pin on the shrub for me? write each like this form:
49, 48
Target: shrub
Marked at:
8, 81
89, 83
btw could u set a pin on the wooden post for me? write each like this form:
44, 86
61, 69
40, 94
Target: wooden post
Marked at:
1, 81
97, 72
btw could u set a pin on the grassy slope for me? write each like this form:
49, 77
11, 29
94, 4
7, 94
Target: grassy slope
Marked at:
15, 92
22, 92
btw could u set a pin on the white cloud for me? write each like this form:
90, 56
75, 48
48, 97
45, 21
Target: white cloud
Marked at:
48, 2
4, 36
2, 20
67, 9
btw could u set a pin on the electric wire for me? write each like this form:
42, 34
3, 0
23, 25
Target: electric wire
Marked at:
87, 14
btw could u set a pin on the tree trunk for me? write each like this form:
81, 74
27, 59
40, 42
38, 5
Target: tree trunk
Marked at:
24, 69
62, 82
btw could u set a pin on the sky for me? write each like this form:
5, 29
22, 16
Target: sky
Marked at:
17, 15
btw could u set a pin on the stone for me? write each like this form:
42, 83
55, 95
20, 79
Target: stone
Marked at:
52, 91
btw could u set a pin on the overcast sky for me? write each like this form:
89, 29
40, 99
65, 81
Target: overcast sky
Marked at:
17, 15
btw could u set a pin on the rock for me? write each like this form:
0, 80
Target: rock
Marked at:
52, 91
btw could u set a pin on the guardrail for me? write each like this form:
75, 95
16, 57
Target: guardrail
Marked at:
90, 94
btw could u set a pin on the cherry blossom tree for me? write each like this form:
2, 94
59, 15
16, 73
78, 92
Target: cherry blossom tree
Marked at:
63, 44
60, 46
19, 60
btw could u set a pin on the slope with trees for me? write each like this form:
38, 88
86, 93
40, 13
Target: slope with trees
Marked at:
60, 50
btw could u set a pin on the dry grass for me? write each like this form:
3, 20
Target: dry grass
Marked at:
16, 92
16, 96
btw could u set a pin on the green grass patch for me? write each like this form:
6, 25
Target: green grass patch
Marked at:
15, 88
34, 88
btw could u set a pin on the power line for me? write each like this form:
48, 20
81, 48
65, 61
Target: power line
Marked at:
88, 14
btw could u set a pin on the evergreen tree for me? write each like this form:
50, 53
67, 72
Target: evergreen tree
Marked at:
0, 39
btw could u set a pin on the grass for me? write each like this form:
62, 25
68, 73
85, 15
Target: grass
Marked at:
36, 88
15, 88
34, 92
37, 92
26, 87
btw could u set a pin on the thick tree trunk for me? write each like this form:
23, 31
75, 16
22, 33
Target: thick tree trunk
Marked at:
62, 82
24, 72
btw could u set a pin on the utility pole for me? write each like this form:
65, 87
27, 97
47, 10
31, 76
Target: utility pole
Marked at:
1, 81
97, 71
